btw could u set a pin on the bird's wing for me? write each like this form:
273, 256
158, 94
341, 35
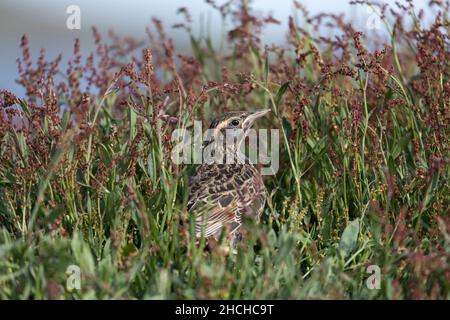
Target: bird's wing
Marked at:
213, 199
213, 212
252, 195
220, 196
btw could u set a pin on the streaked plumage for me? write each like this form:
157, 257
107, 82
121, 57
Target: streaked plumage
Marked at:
221, 194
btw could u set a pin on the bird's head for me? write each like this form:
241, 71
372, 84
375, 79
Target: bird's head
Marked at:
227, 132
235, 122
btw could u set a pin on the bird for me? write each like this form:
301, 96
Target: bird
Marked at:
226, 187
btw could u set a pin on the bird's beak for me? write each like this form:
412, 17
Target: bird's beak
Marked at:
255, 115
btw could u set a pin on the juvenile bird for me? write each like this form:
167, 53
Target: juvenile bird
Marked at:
227, 187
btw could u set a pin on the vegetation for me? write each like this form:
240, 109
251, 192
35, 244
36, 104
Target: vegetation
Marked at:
86, 176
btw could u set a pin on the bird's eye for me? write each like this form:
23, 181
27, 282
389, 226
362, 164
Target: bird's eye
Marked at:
235, 122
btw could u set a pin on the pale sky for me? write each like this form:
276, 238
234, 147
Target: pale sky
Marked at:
44, 21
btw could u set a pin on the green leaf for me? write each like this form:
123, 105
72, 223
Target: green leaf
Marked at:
281, 92
198, 52
349, 238
210, 46
4, 211
399, 146
52, 215
82, 254
24, 106
129, 249
132, 120
65, 120
22, 145
389, 95
287, 126
266, 70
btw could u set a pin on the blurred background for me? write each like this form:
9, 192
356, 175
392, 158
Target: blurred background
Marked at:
44, 22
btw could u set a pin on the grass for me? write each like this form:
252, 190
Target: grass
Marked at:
86, 177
